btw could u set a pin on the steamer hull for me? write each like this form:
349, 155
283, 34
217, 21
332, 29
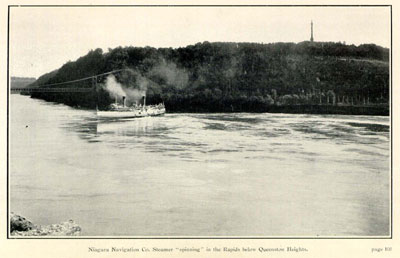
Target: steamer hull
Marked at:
126, 113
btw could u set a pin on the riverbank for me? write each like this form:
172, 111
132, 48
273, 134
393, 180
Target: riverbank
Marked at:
20, 226
315, 109
372, 110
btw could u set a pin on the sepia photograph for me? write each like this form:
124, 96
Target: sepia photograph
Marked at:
247, 122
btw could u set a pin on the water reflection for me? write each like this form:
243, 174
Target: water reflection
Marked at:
92, 128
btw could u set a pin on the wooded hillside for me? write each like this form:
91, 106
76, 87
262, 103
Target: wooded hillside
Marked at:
210, 77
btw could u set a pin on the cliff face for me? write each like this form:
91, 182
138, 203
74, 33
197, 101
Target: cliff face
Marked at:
209, 77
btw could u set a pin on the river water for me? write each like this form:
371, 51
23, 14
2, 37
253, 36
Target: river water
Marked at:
200, 174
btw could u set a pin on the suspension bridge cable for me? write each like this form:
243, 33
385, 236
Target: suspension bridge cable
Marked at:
83, 79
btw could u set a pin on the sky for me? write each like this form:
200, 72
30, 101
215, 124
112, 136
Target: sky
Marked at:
42, 39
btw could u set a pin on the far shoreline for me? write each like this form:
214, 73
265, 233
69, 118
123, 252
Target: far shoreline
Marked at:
381, 110
310, 109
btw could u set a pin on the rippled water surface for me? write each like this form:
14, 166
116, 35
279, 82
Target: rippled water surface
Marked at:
200, 174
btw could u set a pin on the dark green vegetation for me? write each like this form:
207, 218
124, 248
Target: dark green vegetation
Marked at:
224, 77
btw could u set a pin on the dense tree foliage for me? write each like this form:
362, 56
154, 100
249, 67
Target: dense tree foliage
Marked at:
234, 76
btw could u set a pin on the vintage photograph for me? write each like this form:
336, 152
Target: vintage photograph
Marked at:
199, 122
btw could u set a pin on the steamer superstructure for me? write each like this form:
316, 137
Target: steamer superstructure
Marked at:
117, 110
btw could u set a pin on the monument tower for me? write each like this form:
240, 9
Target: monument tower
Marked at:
312, 37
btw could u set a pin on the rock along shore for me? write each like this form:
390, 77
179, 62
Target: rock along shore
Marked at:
20, 226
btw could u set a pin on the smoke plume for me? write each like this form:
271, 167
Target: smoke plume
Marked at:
133, 84
172, 75
113, 87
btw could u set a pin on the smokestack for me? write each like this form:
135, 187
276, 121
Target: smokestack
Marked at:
144, 101
123, 101
116, 100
